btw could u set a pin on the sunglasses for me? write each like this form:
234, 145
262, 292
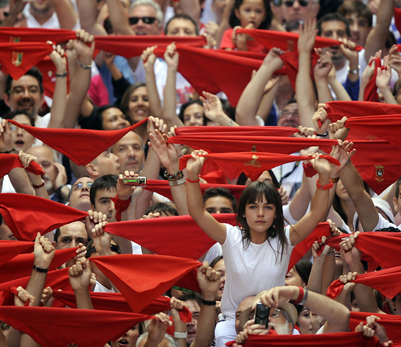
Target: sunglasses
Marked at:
80, 185
145, 20
302, 3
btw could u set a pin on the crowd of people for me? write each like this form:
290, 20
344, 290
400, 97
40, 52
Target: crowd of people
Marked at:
208, 179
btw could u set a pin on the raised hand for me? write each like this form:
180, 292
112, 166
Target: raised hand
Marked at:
23, 298
171, 56
307, 36
80, 275
194, 164
149, 57
43, 252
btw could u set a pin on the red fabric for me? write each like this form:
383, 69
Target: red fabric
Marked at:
291, 63
169, 235
120, 206
17, 58
370, 93
252, 45
26, 215
247, 54
11, 161
143, 278
309, 171
57, 279
163, 188
253, 164
350, 339
323, 229
381, 248
236, 131
21, 265
391, 323
116, 302
10, 249
387, 282
71, 142
133, 46
285, 40
234, 143
61, 327
397, 18
48, 70
208, 70
14, 34
359, 108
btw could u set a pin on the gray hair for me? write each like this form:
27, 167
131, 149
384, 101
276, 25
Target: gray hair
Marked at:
151, 3
170, 341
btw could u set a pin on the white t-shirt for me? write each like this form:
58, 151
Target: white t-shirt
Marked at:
213, 252
100, 288
290, 176
251, 270
384, 223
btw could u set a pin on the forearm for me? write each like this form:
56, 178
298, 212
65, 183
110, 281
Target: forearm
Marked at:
266, 104
20, 181
362, 90
323, 91
388, 95
59, 105
154, 101
300, 202
170, 103
192, 9
194, 199
65, 14
83, 299
328, 272
306, 98
119, 20
251, 96
88, 10
316, 276
115, 72
36, 284
339, 90
206, 323
224, 25
37, 181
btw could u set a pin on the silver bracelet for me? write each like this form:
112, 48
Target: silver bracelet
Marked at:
177, 182
86, 67
180, 334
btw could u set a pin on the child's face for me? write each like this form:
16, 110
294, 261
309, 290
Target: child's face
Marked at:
251, 12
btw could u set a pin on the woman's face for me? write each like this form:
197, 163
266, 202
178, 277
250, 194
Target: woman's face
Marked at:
304, 323
21, 139
341, 192
128, 339
293, 279
193, 115
220, 267
138, 106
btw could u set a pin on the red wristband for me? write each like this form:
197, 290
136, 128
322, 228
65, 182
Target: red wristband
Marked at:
327, 186
300, 296
190, 181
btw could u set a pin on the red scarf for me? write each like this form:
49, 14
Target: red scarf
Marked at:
253, 164
10, 249
143, 278
163, 188
370, 93
169, 235
387, 282
11, 161
116, 302
80, 145
17, 58
285, 40
26, 215
232, 143
21, 265
61, 327
13, 34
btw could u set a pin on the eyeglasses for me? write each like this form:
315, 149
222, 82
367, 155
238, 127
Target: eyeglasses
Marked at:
276, 313
302, 3
145, 20
286, 113
80, 185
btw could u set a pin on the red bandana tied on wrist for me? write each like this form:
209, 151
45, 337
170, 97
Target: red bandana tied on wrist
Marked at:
71, 142
387, 282
169, 235
10, 249
14, 34
21, 265
116, 302
286, 41
11, 161
253, 164
143, 278
70, 327
17, 58
370, 93
26, 215
233, 143
120, 206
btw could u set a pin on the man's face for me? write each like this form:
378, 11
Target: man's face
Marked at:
334, 30
103, 202
107, 164
2, 10
289, 116
130, 152
181, 27
24, 95
141, 28
219, 204
299, 9
194, 308
71, 235
113, 119
46, 161
359, 28
278, 322
79, 197
5, 232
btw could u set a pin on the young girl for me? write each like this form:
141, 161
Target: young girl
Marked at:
249, 14
257, 254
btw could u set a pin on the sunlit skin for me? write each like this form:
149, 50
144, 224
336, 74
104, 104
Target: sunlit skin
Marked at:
218, 204
141, 28
193, 115
292, 278
251, 12
220, 267
181, 27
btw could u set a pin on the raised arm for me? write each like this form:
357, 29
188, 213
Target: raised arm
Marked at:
66, 14
80, 275
214, 229
321, 71
251, 97
88, 10
119, 19
214, 110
